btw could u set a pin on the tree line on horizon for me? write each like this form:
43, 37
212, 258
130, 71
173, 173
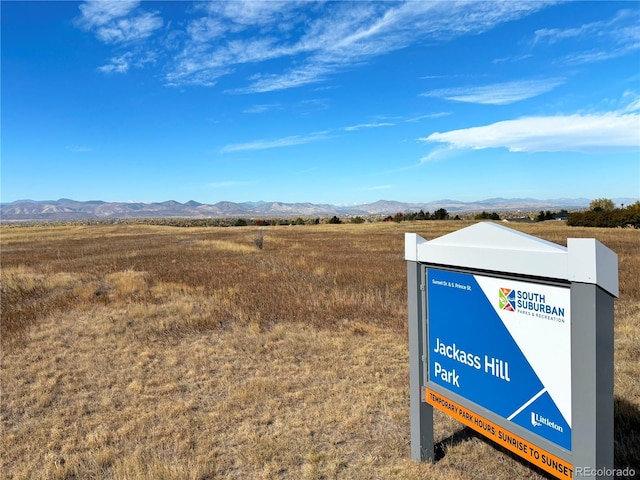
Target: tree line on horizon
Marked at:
604, 213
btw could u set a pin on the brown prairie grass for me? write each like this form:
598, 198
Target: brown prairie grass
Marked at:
142, 352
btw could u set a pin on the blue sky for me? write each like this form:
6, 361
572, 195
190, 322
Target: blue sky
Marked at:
325, 102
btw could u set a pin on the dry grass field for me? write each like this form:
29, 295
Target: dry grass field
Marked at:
147, 352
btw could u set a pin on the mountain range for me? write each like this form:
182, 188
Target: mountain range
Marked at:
65, 209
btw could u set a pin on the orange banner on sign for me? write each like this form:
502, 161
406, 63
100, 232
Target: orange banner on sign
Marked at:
521, 447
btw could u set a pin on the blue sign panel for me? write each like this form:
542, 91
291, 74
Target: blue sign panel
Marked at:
504, 345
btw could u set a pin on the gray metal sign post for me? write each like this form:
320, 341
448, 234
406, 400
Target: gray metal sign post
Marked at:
513, 336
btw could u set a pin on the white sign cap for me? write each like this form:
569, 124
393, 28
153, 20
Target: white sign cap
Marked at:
492, 247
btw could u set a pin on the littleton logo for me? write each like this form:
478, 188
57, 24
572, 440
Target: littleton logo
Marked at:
507, 299
539, 420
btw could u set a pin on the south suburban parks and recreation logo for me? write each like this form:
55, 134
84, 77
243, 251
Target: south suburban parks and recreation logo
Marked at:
508, 299
528, 303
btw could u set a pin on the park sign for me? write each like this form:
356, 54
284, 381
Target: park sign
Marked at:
503, 353
513, 336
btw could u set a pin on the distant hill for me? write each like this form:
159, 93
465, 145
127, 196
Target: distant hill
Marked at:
65, 209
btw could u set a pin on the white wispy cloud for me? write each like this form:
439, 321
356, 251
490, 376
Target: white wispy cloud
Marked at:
378, 187
100, 12
598, 55
129, 29
368, 125
267, 107
206, 29
295, 78
613, 38
632, 102
275, 143
122, 63
298, 139
297, 43
312, 137
316, 40
251, 12
498, 93
513, 58
115, 22
447, 76
417, 118
360, 31
437, 154
604, 132
117, 64
603, 27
